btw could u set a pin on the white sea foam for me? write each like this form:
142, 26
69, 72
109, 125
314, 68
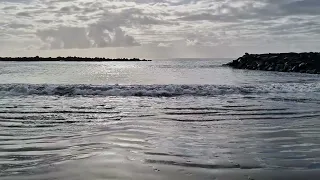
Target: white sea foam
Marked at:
150, 90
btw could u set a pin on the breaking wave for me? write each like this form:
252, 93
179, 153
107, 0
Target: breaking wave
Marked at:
150, 90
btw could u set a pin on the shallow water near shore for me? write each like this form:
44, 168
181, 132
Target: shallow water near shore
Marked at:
165, 119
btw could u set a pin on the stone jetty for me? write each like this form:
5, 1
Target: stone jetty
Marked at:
69, 58
283, 62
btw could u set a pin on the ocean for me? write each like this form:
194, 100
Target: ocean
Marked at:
164, 119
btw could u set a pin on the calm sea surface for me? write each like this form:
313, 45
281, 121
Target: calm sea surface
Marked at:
165, 119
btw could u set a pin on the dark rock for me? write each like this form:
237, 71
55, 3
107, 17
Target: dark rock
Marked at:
284, 62
294, 69
302, 65
270, 68
279, 67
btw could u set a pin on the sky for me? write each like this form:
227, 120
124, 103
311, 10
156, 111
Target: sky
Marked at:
157, 28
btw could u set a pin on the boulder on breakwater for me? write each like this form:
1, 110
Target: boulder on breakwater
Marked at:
283, 62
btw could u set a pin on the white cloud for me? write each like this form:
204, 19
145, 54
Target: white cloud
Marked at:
240, 25
162, 44
191, 42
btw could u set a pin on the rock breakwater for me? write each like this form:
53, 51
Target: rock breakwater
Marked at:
283, 62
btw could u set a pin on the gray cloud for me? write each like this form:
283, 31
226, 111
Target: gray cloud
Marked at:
23, 14
81, 38
304, 7
18, 26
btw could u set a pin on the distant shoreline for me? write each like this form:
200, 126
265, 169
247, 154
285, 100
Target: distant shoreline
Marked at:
68, 59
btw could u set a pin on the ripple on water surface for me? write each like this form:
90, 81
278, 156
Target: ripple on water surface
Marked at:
157, 138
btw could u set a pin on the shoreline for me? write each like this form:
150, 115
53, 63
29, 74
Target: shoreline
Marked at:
68, 59
281, 62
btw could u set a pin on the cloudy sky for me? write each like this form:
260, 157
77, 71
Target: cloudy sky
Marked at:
158, 28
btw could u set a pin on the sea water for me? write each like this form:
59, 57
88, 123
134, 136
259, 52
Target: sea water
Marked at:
164, 119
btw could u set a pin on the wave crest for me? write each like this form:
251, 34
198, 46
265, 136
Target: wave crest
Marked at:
144, 90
